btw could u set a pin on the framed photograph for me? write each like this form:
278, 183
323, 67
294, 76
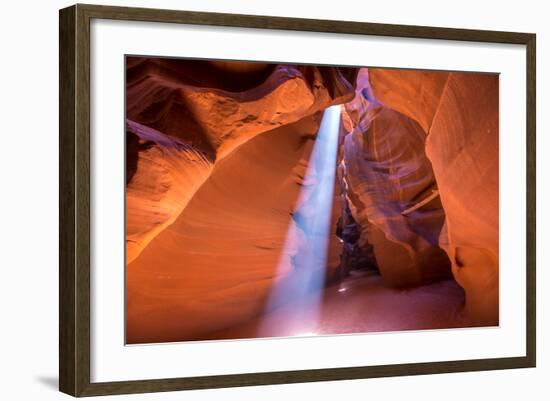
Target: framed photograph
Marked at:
250, 200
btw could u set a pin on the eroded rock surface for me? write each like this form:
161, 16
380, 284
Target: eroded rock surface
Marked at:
163, 174
418, 94
215, 265
217, 154
216, 112
462, 145
206, 110
387, 173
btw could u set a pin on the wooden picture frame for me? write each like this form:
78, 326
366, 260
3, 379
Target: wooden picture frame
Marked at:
74, 204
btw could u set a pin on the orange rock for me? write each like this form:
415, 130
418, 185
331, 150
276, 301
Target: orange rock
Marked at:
415, 93
165, 176
208, 109
463, 148
387, 172
460, 113
218, 110
215, 265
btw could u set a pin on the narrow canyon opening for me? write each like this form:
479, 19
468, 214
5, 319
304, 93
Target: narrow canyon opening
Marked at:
277, 200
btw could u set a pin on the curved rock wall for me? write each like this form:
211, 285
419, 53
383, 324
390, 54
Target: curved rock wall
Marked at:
163, 174
387, 172
218, 116
462, 145
417, 95
215, 265
216, 158
210, 109
202, 215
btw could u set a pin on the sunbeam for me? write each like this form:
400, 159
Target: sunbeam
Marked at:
280, 200
304, 284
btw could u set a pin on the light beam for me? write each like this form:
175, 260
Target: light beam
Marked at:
303, 286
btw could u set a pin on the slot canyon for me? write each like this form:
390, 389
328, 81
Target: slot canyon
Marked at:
275, 200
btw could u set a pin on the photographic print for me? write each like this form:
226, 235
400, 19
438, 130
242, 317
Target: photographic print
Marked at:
286, 200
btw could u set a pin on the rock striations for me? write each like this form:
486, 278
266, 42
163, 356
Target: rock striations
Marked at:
217, 154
